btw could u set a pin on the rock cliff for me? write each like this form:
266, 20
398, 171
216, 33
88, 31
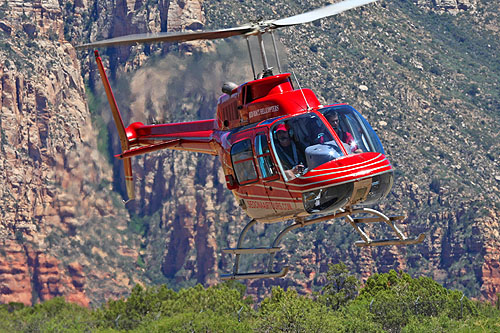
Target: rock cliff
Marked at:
428, 88
54, 181
26, 272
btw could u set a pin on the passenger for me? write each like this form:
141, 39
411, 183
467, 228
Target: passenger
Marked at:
344, 136
291, 157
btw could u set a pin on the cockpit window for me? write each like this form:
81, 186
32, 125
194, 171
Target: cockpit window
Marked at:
352, 129
303, 142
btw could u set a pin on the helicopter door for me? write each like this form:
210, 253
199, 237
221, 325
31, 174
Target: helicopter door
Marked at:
277, 192
250, 192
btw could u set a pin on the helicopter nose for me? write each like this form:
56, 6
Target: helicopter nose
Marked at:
363, 178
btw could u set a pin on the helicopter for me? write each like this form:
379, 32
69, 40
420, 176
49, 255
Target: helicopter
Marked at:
284, 155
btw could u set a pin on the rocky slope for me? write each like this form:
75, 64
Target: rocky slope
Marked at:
450, 6
55, 185
432, 96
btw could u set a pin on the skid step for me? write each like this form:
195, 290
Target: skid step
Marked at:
377, 219
255, 275
395, 241
255, 250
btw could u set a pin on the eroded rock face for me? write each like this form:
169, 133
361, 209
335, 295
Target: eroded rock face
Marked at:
490, 270
50, 167
56, 186
28, 276
15, 275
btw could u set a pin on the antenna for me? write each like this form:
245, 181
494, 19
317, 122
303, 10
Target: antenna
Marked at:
303, 95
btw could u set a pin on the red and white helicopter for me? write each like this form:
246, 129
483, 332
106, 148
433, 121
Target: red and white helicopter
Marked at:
284, 155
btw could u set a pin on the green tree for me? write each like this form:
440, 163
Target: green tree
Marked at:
55, 315
191, 321
395, 298
340, 288
138, 307
286, 311
144, 308
357, 317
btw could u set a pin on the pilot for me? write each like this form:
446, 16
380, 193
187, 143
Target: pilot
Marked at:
344, 136
291, 157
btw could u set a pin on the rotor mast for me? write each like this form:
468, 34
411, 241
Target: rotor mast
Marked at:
267, 70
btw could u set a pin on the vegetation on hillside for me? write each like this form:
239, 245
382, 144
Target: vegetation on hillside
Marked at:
392, 302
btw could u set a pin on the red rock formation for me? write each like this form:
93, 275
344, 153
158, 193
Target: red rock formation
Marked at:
491, 267
15, 276
78, 280
49, 165
29, 276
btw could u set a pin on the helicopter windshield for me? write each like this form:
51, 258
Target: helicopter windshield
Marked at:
302, 143
352, 129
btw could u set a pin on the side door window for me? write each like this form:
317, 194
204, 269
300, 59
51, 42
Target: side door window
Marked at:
243, 162
264, 159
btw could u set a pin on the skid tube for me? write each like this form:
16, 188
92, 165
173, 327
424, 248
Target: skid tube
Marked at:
378, 217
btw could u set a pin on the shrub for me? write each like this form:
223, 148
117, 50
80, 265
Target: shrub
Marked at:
146, 306
55, 315
286, 311
396, 298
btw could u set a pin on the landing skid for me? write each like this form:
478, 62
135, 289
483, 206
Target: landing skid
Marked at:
380, 218
376, 217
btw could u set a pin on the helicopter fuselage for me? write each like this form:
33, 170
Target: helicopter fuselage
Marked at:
340, 167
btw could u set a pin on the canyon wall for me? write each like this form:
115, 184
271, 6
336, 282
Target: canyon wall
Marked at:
65, 231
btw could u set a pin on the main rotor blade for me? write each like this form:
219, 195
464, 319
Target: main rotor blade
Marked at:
319, 13
170, 37
255, 28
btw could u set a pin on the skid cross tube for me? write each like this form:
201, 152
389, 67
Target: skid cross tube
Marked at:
236, 275
300, 224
